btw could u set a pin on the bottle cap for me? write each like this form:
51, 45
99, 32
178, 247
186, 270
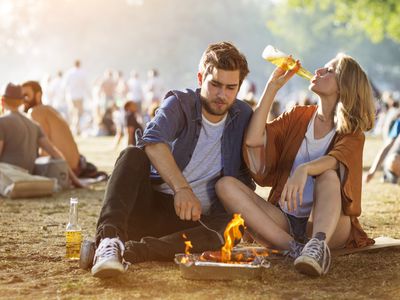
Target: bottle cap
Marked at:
74, 200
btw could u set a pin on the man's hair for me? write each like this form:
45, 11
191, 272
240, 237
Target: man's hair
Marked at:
34, 85
224, 56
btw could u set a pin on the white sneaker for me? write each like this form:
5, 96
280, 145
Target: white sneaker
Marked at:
108, 260
315, 258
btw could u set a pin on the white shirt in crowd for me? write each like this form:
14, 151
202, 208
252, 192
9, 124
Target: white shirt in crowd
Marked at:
76, 86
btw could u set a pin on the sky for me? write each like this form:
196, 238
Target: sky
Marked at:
41, 37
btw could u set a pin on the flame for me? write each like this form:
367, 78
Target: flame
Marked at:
231, 234
239, 257
188, 245
184, 260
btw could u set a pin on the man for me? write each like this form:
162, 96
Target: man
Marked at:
135, 90
56, 129
20, 138
165, 187
56, 95
108, 87
76, 88
52, 123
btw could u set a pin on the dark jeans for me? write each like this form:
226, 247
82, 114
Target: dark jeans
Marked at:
297, 227
146, 218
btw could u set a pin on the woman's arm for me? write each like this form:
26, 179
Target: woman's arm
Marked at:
256, 129
380, 156
295, 184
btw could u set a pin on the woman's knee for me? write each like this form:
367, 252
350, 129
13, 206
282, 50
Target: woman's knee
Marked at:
329, 176
224, 185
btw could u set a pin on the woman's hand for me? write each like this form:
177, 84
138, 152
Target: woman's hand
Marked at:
294, 187
279, 77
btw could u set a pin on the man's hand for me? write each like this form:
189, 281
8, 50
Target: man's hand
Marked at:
187, 206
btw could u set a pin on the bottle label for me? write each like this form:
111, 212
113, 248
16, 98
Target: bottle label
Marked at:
73, 244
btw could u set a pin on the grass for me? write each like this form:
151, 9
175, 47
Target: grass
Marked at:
32, 246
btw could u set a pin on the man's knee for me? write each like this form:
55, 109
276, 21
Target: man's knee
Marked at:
133, 153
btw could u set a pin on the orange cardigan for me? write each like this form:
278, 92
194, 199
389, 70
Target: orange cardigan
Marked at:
270, 164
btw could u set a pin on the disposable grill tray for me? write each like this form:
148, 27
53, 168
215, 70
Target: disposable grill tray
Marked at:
195, 269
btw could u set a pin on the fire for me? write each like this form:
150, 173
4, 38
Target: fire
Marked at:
231, 234
188, 244
184, 260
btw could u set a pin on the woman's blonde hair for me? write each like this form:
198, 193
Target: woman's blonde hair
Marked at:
355, 109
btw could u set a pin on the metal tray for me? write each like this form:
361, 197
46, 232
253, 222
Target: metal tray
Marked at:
195, 269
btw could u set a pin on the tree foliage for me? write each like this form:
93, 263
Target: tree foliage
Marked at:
313, 34
379, 19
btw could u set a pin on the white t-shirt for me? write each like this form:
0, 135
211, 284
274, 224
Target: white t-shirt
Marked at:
75, 84
205, 167
310, 149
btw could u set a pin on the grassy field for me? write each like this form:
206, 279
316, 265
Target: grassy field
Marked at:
32, 248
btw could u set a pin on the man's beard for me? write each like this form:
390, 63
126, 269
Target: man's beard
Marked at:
28, 105
206, 105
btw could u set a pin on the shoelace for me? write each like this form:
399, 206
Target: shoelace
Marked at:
313, 249
110, 248
295, 249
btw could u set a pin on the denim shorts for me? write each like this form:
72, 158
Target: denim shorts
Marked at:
297, 227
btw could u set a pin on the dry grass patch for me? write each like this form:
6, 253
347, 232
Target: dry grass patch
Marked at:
32, 249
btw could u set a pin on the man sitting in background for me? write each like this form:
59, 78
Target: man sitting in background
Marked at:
20, 138
56, 129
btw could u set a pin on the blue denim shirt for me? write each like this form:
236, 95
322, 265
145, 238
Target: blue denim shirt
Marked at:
178, 123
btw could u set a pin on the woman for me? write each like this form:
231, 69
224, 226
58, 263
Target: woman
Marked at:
312, 158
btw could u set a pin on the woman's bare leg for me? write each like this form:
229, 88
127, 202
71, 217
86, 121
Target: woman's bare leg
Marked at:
263, 218
327, 211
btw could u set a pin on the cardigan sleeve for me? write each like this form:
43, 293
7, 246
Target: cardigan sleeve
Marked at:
262, 160
348, 150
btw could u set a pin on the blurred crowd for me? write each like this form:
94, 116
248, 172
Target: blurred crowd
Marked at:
108, 105
116, 104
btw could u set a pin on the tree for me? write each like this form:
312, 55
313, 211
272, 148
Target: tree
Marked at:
313, 34
379, 19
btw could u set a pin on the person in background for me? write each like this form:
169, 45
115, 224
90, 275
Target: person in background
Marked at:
131, 123
76, 89
56, 129
275, 111
135, 91
21, 138
57, 96
392, 113
154, 88
389, 155
53, 124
